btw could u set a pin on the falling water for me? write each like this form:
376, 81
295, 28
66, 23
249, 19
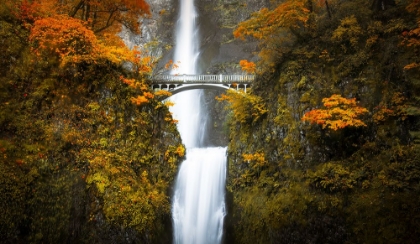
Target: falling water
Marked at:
198, 207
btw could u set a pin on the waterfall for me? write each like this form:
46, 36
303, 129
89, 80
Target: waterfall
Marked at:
198, 206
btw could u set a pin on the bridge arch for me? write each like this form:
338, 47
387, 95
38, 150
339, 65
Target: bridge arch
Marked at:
174, 89
179, 83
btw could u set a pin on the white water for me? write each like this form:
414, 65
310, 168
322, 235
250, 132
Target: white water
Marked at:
198, 206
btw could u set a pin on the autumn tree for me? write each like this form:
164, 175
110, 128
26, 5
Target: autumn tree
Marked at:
412, 38
339, 112
100, 14
82, 29
249, 67
348, 33
247, 108
67, 37
104, 14
276, 29
393, 105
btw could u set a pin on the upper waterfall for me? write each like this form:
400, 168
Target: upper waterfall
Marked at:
188, 109
187, 39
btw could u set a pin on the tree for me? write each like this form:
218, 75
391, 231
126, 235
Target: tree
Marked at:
348, 32
100, 15
247, 66
274, 28
247, 108
67, 37
412, 38
104, 14
339, 113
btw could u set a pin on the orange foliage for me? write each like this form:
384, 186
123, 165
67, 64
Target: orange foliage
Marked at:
100, 14
139, 100
26, 11
249, 67
140, 86
414, 7
84, 31
265, 23
135, 84
67, 37
71, 28
339, 113
108, 14
258, 159
74, 42
412, 38
273, 28
171, 65
180, 151
396, 107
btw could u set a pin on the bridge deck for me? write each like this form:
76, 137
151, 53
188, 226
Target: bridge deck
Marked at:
213, 79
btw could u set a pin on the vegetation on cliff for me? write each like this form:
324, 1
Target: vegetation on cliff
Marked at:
352, 175
325, 149
87, 153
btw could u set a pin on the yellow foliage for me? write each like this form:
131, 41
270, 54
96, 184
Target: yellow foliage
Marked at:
164, 94
99, 180
348, 31
245, 106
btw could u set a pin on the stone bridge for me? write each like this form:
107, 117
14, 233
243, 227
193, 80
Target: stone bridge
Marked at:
179, 83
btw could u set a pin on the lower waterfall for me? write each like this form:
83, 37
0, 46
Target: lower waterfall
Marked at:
198, 205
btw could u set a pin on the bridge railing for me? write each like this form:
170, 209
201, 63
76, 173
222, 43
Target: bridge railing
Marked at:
203, 78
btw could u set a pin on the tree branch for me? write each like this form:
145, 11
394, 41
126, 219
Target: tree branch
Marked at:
108, 22
76, 8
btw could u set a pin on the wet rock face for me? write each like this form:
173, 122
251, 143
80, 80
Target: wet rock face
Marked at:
157, 31
220, 53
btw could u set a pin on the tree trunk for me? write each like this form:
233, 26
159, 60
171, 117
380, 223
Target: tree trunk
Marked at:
378, 5
76, 8
328, 9
87, 11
